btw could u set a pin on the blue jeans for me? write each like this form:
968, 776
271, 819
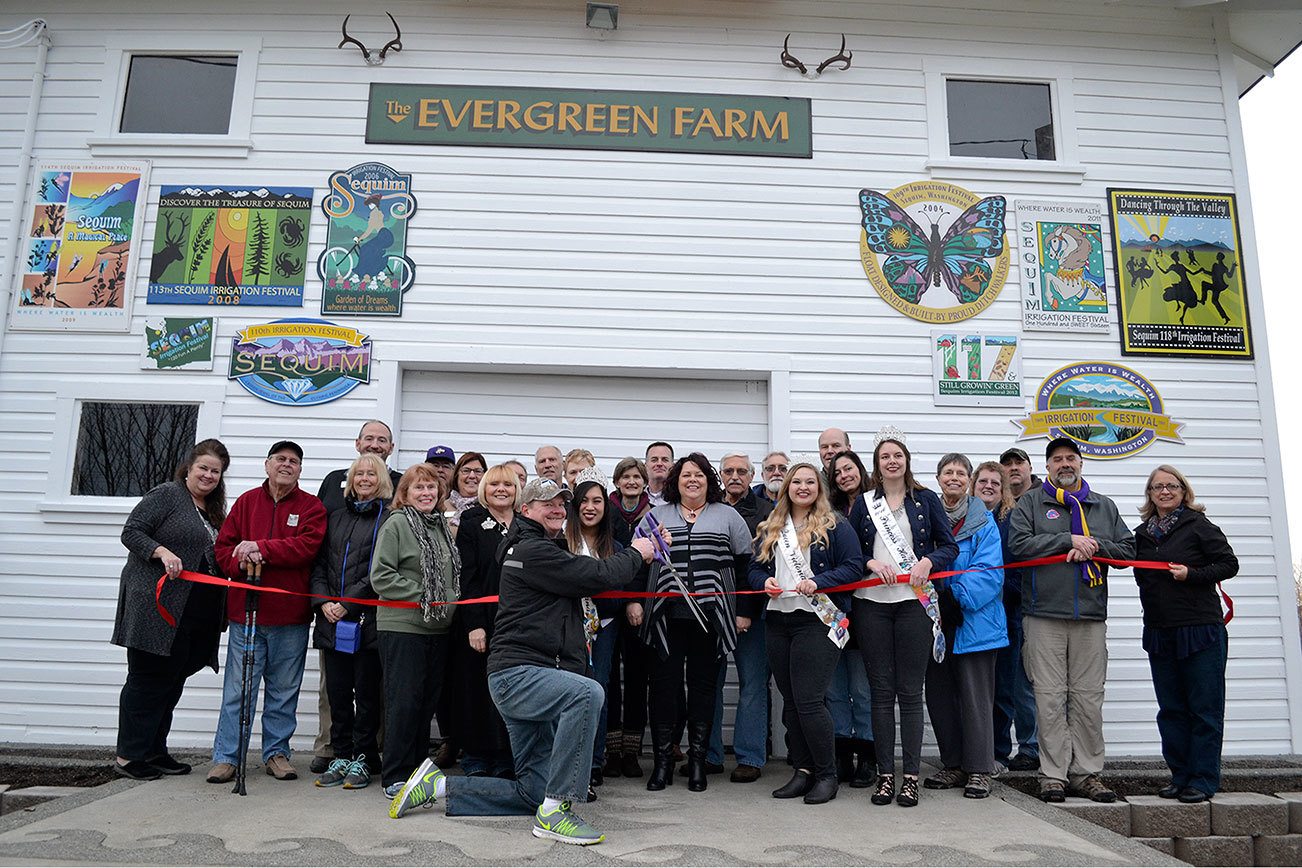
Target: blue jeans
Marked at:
750, 731
278, 657
1014, 696
551, 716
850, 699
1191, 714
603, 657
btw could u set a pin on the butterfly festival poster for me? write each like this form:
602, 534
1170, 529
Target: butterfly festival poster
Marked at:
1181, 286
934, 251
1060, 266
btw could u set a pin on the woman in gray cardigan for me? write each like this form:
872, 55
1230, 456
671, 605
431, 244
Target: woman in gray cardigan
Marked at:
171, 529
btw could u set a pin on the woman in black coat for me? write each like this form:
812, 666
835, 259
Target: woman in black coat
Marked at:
483, 526
1184, 631
345, 632
171, 529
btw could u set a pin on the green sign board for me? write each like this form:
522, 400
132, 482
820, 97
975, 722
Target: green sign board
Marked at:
615, 120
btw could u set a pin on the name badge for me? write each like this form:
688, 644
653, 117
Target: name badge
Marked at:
343, 483
292, 521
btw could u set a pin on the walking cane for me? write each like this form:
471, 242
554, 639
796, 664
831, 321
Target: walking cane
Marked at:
247, 700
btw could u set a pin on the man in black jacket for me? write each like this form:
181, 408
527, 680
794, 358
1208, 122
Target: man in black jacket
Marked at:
538, 669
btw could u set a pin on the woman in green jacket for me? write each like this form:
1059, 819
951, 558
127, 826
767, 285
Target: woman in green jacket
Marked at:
415, 561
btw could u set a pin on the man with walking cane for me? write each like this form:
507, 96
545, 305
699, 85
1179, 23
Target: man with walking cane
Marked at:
277, 527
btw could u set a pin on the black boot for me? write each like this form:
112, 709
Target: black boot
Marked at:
698, 740
844, 759
822, 792
800, 783
662, 774
865, 773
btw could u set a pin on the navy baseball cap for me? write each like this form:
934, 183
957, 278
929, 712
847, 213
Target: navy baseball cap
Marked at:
281, 445
441, 453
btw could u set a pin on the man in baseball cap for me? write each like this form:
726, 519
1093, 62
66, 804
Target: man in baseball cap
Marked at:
538, 676
1018, 465
444, 461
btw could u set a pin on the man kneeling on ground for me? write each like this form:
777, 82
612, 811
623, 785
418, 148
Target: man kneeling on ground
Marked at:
538, 676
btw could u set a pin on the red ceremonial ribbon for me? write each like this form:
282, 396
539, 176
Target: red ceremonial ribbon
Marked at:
205, 579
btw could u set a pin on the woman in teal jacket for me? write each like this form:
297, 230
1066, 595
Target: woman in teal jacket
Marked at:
961, 689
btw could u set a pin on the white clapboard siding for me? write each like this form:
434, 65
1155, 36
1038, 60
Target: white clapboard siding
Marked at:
557, 287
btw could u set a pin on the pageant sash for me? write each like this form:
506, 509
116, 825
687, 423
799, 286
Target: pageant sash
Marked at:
838, 632
902, 550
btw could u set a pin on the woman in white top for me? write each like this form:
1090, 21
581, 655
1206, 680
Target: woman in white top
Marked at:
804, 547
893, 628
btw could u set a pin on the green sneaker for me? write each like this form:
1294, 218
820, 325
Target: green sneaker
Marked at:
334, 774
420, 790
562, 824
358, 776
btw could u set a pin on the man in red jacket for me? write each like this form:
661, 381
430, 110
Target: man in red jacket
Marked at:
279, 526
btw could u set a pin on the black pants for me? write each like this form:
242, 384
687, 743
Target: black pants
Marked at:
960, 702
895, 640
803, 659
153, 688
413, 678
355, 689
694, 659
635, 682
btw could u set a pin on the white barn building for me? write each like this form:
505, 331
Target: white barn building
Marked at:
605, 297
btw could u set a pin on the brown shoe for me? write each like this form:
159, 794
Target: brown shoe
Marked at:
745, 775
222, 773
279, 768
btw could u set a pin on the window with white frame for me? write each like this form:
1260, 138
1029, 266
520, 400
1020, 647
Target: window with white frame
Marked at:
1000, 116
161, 95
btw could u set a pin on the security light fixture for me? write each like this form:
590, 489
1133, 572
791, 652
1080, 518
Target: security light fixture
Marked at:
603, 16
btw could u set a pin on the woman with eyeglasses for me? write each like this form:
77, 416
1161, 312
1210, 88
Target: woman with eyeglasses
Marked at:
1184, 631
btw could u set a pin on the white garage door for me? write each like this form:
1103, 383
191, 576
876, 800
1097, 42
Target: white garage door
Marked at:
509, 415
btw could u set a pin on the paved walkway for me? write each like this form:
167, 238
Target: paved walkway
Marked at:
185, 821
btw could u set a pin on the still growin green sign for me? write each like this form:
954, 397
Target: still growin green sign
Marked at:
618, 120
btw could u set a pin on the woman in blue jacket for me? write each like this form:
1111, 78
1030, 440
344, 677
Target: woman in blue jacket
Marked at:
890, 624
961, 688
803, 547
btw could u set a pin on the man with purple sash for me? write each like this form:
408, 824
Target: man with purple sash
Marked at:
1065, 607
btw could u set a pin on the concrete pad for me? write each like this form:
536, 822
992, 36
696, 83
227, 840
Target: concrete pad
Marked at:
1155, 817
1114, 815
1294, 801
183, 820
1162, 845
1215, 850
1249, 814
17, 800
1278, 849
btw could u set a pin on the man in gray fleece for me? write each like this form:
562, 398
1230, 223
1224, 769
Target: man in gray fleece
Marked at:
1065, 610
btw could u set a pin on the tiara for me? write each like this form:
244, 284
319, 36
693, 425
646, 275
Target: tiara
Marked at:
591, 474
889, 432
806, 458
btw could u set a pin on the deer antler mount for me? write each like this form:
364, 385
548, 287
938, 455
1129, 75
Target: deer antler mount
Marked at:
373, 58
790, 61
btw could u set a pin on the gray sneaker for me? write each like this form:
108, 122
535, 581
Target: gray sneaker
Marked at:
420, 790
393, 789
562, 824
358, 777
334, 774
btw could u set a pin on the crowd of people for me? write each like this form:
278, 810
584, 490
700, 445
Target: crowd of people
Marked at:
547, 690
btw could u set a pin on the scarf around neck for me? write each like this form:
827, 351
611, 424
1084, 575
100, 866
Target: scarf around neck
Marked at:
1090, 573
436, 585
1160, 526
633, 516
957, 513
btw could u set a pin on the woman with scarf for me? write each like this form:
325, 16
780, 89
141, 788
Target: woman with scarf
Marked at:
803, 547
961, 687
415, 561
483, 527
588, 532
710, 548
903, 530
1184, 631
628, 503
345, 632
465, 486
